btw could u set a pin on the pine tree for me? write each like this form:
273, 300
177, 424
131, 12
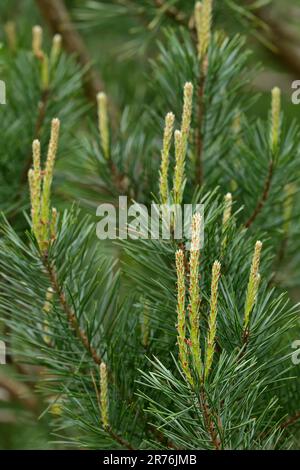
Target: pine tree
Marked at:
152, 343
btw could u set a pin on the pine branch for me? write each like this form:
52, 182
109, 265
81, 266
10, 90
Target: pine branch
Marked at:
290, 421
209, 420
120, 440
69, 312
265, 194
19, 392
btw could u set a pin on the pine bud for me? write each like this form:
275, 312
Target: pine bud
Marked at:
48, 173
164, 168
253, 284
195, 242
36, 185
186, 114
203, 20
33, 198
45, 72
226, 217
43, 225
179, 168
212, 322
195, 293
104, 395
275, 116
56, 48
36, 151
103, 123
181, 140
37, 41
53, 224
181, 316
198, 15
11, 35
46, 309
227, 209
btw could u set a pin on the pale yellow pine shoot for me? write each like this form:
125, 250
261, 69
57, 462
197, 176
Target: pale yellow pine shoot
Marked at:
186, 115
103, 123
275, 123
194, 292
181, 316
164, 168
104, 396
212, 322
203, 18
56, 48
227, 209
179, 168
48, 175
253, 284
37, 42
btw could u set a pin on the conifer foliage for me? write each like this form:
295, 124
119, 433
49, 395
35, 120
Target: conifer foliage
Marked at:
152, 343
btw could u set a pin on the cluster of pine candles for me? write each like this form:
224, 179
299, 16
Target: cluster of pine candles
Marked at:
196, 364
153, 342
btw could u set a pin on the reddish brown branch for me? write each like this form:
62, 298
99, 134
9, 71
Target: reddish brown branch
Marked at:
19, 392
291, 420
210, 421
119, 439
264, 196
73, 321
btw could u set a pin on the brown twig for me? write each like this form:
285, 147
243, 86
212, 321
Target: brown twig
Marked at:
209, 421
290, 421
69, 312
119, 439
264, 196
80, 334
19, 392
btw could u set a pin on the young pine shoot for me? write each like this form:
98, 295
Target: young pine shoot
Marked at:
253, 284
164, 168
212, 322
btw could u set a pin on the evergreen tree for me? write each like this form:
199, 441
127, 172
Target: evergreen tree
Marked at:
151, 343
